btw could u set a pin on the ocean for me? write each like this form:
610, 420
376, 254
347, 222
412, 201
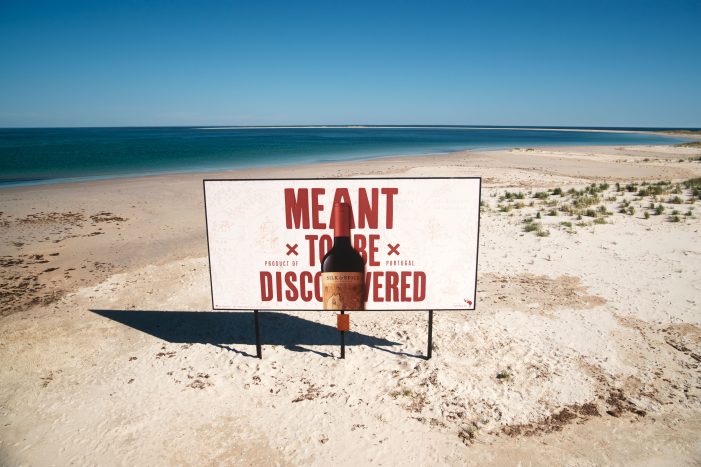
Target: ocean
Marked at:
51, 155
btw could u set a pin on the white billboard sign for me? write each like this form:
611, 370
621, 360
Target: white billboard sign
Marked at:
417, 238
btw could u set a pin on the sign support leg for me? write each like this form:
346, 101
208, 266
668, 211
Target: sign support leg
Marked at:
259, 349
343, 341
430, 334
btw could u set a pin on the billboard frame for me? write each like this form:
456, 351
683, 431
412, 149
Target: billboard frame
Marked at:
342, 333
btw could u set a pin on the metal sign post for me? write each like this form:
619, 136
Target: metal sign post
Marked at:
259, 349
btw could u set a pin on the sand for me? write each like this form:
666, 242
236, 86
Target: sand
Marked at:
584, 348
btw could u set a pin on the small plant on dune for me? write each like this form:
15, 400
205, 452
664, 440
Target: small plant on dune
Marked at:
582, 224
659, 209
552, 212
504, 208
567, 224
541, 195
602, 210
537, 216
631, 187
600, 220
675, 200
509, 195
674, 218
693, 184
590, 213
631, 210
688, 213
519, 205
531, 227
586, 201
651, 190
646, 215
503, 375
557, 191
536, 227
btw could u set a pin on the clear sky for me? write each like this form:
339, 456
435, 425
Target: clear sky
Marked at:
104, 63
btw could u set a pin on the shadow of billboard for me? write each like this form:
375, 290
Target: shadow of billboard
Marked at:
226, 328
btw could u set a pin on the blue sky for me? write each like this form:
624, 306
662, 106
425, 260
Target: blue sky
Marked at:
105, 63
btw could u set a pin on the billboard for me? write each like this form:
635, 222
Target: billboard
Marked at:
351, 244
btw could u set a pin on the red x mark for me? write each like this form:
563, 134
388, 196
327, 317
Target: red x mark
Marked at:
291, 249
393, 249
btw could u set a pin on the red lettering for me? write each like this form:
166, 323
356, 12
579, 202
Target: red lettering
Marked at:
278, 285
317, 208
296, 208
376, 286
266, 286
311, 239
405, 286
374, 238
304, 278
291, 293
368, 211
391, 289
317, 287
390, 192
419, 286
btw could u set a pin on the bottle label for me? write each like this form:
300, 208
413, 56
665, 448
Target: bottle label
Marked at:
342, 290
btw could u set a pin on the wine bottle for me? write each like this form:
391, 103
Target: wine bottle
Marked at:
342, 267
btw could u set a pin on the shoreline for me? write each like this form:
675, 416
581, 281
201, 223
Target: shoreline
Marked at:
420, 159
8, 184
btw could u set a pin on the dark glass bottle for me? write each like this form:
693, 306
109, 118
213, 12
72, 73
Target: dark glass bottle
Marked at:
342, 267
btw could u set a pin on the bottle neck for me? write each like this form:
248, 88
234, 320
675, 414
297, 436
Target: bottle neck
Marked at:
341, 226
342, 241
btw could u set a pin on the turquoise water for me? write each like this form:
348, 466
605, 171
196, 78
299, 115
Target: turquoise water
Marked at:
47, 155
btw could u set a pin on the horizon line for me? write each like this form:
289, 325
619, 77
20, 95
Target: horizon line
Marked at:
361, 126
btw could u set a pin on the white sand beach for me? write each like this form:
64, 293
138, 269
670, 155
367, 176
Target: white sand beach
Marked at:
584, 348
